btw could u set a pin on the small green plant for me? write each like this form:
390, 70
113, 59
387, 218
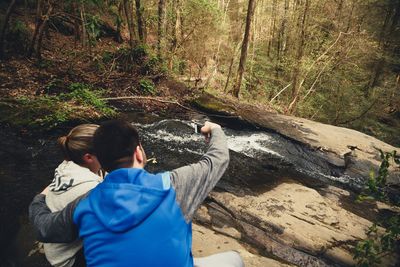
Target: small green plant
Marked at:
147, 87
375, 189
44, 112
88, 96
93, 26
140, 52
54, 86
40, 112
378, 244
371, 251
44, 63
153, 65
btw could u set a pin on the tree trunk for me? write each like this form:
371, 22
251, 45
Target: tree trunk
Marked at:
282, 33
177, 25
85, 39
129, 21
229, 75
37, 26
161, 27
272, 29
42, 30
245, 44
297, 71
140, 21
5, 24
77, 34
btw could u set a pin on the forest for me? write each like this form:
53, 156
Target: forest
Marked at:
307, 92
334, 61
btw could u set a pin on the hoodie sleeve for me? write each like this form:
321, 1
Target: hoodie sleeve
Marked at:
56, 227
194, 182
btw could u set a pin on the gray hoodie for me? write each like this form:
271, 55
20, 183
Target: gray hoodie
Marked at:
70, 181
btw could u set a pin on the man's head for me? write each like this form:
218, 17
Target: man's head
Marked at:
117, 145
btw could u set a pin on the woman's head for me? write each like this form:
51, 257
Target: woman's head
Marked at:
77, 146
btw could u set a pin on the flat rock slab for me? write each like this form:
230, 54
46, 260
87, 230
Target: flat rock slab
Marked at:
207, 242
293, 222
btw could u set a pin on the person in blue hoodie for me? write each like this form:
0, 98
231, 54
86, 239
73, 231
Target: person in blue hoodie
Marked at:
136, 218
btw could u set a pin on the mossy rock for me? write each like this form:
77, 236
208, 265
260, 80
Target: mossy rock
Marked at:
210, 103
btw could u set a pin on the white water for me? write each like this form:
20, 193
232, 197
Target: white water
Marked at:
179, 135
249, 144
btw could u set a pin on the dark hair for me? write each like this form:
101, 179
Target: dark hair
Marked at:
78, 142
115, 143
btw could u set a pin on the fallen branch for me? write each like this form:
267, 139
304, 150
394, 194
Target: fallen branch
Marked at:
322, 55
169, 102
316, 79
280, 92
147, 98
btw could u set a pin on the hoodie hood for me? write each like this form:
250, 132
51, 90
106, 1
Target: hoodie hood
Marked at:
127, 197
69, 174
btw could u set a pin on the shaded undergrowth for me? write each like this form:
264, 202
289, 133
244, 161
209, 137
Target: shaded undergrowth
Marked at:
80, 102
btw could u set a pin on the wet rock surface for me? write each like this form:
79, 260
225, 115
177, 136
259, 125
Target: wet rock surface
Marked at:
348, 153
282, 200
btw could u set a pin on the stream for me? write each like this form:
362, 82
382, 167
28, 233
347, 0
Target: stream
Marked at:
259, 159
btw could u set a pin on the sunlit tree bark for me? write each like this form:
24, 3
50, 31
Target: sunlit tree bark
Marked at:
245, 45
297, 71
161, 27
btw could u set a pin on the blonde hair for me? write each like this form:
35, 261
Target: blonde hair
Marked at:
78, 142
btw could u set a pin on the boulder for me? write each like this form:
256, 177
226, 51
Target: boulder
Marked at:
207, 242
294, 223
353, 152
300, 218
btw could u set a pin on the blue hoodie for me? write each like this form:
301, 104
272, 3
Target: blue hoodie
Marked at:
133, 219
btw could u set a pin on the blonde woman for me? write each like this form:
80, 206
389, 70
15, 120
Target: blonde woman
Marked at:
76, 175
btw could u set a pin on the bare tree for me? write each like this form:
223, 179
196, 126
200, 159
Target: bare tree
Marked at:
282, 33
129, 21
161, 27
38, 22
297, 71
42, 30
41, 24
245, 44
272, 28
176, 34
140, 21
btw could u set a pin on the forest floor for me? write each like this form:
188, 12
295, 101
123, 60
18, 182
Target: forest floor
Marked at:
70, 82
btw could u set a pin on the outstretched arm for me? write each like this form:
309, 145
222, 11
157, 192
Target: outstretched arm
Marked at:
56, 227
194, 182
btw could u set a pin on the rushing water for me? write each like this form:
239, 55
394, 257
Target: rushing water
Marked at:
258, 159
265, 152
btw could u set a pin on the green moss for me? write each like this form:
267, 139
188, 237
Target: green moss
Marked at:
213, 104
82, 103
